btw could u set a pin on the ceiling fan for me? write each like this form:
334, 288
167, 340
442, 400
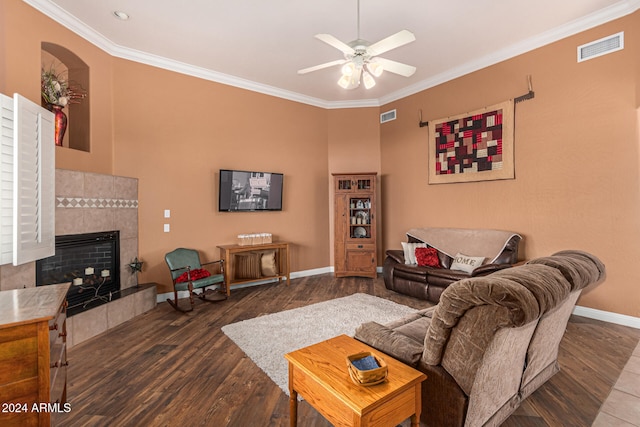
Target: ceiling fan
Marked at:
361, 60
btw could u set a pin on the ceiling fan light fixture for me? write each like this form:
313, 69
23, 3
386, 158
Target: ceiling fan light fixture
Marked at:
368, 80
362, 60
344, 81
375, 68
348, 69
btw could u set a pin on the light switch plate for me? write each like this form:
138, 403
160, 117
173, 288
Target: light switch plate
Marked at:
167, 228
167, 213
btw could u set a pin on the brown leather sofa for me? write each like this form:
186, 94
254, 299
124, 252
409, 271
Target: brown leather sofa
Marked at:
491, 341
498, 247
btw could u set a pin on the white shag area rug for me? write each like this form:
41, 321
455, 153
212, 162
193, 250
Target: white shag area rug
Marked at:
266, 339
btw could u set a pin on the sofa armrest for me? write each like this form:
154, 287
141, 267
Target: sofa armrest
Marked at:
484, 270
396, 254
390, 342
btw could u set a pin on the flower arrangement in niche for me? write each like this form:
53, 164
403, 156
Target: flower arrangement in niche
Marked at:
57, 93
56, 90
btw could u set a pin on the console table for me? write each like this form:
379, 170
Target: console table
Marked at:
229, 252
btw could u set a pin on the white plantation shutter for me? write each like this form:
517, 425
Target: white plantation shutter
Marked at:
6, 179
34, 182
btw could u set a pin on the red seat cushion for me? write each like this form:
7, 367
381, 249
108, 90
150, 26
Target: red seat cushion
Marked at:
198, 273
428, 257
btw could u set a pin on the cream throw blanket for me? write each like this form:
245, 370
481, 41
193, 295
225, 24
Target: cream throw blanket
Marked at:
451, 241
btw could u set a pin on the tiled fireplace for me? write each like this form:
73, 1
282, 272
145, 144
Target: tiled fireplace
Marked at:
95, 203
91, 203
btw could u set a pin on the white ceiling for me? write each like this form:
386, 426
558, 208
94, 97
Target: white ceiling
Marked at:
260, 45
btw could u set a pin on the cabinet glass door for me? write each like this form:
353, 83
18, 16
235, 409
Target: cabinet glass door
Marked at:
360, 218
344, 184
364, 184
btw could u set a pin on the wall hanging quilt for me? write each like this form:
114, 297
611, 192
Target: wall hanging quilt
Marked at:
474, 146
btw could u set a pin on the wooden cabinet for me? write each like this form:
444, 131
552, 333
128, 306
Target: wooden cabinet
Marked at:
33, 355
355, 249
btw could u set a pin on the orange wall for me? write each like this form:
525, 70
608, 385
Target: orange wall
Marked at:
25, 29
576, 160
175, 132
3, 45
354, 146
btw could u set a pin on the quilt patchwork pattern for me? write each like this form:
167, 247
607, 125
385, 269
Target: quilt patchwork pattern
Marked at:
469, 144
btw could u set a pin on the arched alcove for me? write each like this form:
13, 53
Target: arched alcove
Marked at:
77, 71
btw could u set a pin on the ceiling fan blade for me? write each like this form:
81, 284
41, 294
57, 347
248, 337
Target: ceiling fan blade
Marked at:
332, 41
398, 39
321, 66
396, 67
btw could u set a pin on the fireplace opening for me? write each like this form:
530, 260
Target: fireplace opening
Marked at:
91, 262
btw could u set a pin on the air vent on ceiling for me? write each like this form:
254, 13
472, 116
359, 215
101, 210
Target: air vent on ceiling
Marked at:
388, 116
601, 47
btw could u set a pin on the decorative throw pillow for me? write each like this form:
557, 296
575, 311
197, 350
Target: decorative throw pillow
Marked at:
268, 264
247, 265
466, 263
198, 273
428, 257
410, 251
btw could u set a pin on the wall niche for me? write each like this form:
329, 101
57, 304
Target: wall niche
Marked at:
71, 67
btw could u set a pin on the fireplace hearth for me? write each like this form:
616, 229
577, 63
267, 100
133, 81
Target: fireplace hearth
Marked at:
91, 262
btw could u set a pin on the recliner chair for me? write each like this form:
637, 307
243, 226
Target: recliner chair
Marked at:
491, 341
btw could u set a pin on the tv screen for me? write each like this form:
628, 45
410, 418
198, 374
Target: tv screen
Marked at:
249, 191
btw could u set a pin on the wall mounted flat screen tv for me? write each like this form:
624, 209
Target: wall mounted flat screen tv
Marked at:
244, 191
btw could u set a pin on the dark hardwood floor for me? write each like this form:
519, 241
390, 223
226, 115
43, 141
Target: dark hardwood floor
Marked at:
165, 368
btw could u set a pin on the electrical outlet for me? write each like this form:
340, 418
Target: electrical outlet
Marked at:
167, 213
167, 228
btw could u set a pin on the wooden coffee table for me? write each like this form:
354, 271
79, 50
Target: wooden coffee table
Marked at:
319, 374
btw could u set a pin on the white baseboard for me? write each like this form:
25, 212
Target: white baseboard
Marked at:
592, 313
312, 272
607, 316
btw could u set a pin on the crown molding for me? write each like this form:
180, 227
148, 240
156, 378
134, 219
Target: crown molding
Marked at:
55, 12
214, 76
63, 18
59, 15
227, 79
590, 21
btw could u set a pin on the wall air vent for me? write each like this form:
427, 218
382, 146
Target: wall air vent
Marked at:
601, 47
388, 116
